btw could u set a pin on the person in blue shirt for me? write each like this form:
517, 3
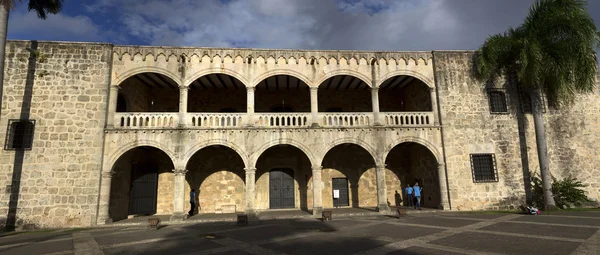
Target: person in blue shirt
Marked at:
417, 193
192, 202
409, 194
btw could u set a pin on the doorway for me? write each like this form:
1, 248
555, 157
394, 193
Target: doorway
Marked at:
281, 188
340, 192
142, 195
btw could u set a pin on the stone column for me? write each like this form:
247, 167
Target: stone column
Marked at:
314, 106
444, 203
250, 191
317, 190
112, 105
382, 204
434, 108
178, 195
250, 108
375, 101
104, 203
183, 105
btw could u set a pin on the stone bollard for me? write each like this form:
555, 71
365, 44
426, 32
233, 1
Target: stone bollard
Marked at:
242, 220
326, 215
153, 223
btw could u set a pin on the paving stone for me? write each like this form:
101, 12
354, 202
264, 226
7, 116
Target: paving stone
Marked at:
438, 221
234, 252
165, 247
326, 244
420, 250
543, 230
39, 248
475, 216
265, 233
559, 220
506, 244
32, 237
139, 236
393, 231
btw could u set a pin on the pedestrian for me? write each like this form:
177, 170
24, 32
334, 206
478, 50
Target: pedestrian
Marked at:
192, 202
417, 194
409, 194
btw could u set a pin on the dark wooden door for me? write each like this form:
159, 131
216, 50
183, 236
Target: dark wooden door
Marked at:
281, 188
142, 196
340, 184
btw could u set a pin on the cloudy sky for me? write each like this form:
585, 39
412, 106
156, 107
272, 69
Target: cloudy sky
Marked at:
304, 24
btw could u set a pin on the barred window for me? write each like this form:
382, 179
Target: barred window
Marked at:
19, 135
484, 168
497, 101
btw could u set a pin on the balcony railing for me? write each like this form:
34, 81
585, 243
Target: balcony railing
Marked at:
282, 119
407, 118
216, 120
346, 119
137, 120
146, 120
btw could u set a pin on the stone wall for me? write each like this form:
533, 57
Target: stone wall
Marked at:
59, 176
469, 127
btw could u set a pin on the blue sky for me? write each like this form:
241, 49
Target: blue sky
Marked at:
305, 24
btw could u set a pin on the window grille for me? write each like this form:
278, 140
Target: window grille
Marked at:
19, 135
497, 101
484, 168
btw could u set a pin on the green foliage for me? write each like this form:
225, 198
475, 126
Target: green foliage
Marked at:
553, 51
567, 193
41, 7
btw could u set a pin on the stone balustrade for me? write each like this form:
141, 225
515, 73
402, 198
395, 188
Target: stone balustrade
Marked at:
146, 120
282, 119
346, 119
216, 120
135, 120
407, 118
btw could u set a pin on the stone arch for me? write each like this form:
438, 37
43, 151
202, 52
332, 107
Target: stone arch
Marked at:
275, 72
355, 141
430, 146
112, 159
215, 70
197, 147
120, 78
305, 149
417, 75
349, 72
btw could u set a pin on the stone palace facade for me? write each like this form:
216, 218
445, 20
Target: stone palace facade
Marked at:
95, 133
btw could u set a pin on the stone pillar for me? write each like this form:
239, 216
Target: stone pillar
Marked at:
444, 203
112, 105
375, 101
250, 108
317, 191
434, 108
382, 204
183, 105
250, 191
314, 106
104, 203
178, 195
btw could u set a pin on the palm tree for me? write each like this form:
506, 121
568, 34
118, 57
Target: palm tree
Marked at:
41, 8
551, 53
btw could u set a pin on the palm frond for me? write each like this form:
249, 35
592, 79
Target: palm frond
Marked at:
43, 7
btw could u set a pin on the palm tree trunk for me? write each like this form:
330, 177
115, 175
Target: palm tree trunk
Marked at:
542, 147
3, 33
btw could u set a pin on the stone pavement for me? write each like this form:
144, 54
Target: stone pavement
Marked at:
427, 233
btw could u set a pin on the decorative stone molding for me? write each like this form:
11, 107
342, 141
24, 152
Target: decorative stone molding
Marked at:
316, 168
250, 170
108, 174
182, 87
180, 172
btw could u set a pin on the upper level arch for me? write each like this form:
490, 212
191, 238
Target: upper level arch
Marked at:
428, 81
148, 92
215, 70
289, 72
351, 72
405, 93
120, 78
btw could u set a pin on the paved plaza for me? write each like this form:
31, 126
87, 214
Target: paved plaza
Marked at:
416, 233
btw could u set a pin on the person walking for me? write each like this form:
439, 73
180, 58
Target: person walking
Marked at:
417, 193
192, 202
409, 194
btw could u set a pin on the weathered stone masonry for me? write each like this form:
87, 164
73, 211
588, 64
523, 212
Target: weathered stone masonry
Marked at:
223, 121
